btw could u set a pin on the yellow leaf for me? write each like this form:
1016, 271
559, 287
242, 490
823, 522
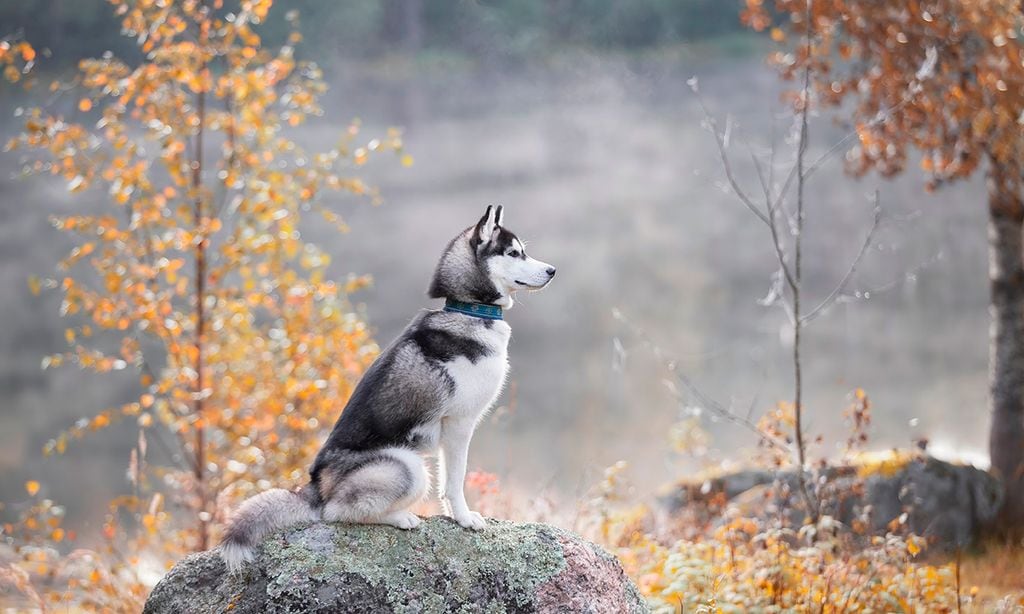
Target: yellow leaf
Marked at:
32, 487
407, 160
34, 285
913, 548
778, 35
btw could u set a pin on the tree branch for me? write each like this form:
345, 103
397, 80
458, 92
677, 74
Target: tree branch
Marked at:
720, 143
841, 287
672, 365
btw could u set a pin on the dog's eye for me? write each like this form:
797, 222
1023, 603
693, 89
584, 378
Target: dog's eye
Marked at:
514, 253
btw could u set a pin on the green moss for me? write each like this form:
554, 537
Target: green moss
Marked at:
439, 567
404, 565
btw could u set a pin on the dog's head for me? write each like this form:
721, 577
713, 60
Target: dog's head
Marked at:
486, 263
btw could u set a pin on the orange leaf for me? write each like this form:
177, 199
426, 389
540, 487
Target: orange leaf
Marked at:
32, 487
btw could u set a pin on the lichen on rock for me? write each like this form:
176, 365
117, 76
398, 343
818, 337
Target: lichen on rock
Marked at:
440, 567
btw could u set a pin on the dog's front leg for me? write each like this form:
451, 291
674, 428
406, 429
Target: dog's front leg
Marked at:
455, 436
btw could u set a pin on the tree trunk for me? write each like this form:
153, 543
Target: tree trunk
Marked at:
1006, 359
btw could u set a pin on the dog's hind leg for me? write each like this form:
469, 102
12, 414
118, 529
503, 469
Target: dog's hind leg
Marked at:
379, 490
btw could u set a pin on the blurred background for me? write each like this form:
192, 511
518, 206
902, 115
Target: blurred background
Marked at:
576, 115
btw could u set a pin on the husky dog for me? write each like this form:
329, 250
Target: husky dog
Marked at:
425, 393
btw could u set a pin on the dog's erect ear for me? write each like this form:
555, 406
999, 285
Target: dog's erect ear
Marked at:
488, 223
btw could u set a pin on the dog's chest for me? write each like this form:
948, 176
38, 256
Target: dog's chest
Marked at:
476, 384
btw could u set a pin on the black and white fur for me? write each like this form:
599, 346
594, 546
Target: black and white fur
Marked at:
424, 394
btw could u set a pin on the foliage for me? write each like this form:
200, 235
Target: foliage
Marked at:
755, 564
195, 276
947, 77
747, 566
17, 57
754, 554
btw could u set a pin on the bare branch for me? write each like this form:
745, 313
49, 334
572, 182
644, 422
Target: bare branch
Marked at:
721, 144
780, 251
841, 287
892, 284
880, 118
724, 412
773, 208
765, 186
672, 365
915, 86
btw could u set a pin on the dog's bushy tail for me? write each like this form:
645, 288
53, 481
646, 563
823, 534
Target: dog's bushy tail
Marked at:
260, 516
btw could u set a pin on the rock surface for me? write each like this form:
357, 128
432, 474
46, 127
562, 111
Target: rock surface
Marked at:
948, 503
439, 567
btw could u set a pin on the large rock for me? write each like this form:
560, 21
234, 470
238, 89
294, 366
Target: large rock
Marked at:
439, 567
951, 504
948, 503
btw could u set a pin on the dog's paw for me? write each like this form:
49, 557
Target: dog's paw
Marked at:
403, 520
471, 520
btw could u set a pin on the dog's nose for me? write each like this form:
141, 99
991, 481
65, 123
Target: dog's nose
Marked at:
551, 271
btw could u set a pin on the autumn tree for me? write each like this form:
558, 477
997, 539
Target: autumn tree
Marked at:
195, 275
944, 77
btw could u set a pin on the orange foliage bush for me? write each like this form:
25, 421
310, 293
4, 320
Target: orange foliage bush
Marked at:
944, 76
196, 277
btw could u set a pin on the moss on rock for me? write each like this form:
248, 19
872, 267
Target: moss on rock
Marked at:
439, 567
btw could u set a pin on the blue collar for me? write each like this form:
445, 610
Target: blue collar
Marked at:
477, 310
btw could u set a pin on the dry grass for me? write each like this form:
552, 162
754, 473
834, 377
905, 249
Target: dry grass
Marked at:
995, 573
